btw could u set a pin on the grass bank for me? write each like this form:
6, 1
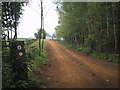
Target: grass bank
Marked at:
35, 62
86, 50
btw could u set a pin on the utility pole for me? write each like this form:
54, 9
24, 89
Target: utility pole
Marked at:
43, 35
40, 33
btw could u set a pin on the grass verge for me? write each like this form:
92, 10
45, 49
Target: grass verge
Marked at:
86, 50
35, 62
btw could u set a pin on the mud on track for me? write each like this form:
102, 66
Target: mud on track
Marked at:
70, 69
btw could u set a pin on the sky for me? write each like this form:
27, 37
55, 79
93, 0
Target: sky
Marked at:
30, 21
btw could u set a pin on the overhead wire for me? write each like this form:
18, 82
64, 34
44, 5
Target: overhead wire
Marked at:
34, 9
46, 9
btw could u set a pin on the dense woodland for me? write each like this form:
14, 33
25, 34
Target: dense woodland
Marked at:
91, 24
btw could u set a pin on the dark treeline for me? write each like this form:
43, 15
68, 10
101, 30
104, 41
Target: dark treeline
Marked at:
11, 12
94, 25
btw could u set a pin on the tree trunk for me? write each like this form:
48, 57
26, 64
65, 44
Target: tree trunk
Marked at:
107, 20
114, 29
11, 33
8, 34
118, 23
15, 25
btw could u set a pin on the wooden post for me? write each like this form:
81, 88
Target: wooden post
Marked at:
40, 43
18, 61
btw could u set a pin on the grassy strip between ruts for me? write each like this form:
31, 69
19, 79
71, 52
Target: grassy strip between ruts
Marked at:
105, 56
35, 62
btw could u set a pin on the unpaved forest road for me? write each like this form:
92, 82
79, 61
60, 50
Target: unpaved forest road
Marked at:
69, 69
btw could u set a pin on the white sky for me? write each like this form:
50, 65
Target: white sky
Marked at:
31, 19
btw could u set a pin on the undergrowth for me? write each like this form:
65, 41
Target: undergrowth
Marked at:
35, 62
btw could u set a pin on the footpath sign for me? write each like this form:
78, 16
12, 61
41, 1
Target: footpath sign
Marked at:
18, 60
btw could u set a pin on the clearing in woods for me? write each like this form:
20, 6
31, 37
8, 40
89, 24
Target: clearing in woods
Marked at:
68, 68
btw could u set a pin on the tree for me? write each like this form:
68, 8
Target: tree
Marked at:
44, 33
36, 35
11, 12
91, 24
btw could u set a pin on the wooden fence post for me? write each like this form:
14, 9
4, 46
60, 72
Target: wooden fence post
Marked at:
18, 61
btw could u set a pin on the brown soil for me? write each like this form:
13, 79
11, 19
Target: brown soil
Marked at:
68, 68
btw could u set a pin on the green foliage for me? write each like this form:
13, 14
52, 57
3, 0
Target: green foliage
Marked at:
11, 12
41, 33
21, 39
7, 75
86, 50
107, 57
92, 24
33, 80
36, 61
29, 41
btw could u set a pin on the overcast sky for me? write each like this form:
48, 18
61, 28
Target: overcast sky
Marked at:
30, 21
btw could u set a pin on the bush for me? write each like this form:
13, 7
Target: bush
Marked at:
34, 60
7, 75
84, 50
29, 41
105, 56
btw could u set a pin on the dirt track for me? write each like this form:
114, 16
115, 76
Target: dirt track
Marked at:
69, 69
